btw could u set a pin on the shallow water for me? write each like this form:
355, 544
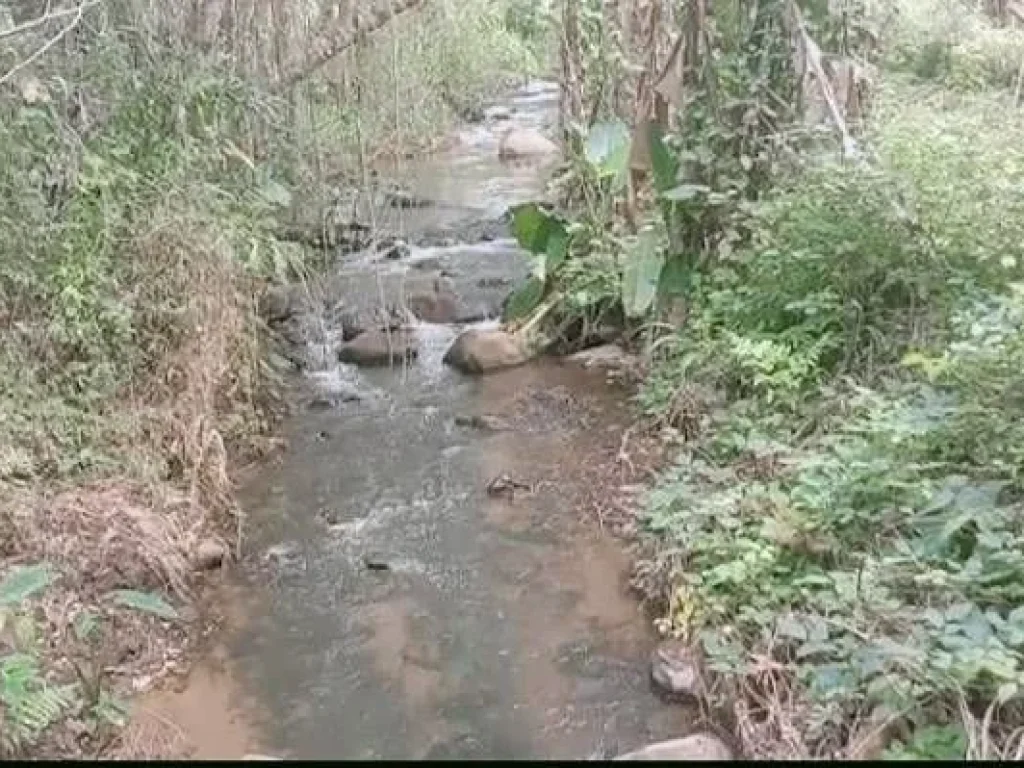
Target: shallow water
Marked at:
398, 609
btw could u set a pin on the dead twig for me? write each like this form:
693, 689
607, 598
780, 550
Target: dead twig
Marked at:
622, 457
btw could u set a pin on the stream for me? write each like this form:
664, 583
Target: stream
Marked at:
397, 605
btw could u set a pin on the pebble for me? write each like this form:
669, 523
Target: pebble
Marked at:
210, 554
675, 669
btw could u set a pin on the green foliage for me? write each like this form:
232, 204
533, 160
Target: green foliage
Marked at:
30, 705
955, 44
530, 21
854, 511
422, 73
719, 154
30, 700
577, 261
932, 743
23, 582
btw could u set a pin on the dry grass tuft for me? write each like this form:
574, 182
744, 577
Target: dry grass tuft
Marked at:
770, 720
112, 536
200, 398
150, 736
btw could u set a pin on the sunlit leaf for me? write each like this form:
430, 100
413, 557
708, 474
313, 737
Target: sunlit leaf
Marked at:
607, 148
640, 275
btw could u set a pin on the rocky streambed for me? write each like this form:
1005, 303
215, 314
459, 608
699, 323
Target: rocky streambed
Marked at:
423, 575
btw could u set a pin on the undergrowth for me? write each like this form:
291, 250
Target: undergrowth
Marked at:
844, 522
835, 343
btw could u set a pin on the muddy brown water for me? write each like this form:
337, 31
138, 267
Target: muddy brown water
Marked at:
395, 607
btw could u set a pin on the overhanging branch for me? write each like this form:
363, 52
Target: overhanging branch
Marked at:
342, 35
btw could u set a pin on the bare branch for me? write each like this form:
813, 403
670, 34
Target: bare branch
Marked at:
343, 34
45, 17
78, 12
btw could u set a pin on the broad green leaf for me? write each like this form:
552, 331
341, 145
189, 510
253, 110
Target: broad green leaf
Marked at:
531, 226
557, 248
608, 148
641, 273
664, 164
147, 602
525, 300
685, 192
23, 582
675, 278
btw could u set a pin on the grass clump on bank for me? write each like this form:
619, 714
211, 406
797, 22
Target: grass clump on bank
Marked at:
144, 169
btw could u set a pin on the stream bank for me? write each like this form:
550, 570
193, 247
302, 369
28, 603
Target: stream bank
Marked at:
420, 579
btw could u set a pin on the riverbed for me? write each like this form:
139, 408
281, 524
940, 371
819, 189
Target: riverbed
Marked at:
421, 577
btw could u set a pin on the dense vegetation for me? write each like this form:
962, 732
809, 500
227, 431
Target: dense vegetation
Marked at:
148, 154
833, 322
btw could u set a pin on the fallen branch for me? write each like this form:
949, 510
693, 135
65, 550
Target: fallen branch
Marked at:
812, 54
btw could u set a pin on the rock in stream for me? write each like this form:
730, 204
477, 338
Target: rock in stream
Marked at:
479, 351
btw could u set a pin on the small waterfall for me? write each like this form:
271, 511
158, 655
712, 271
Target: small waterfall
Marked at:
433, 341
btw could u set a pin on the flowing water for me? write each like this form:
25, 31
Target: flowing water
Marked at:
398, 609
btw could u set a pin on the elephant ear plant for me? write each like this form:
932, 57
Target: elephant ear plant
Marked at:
585, 266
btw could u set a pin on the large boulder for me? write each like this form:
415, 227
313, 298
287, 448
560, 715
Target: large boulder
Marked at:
378, 347
519, 143
479, 351
700, 746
